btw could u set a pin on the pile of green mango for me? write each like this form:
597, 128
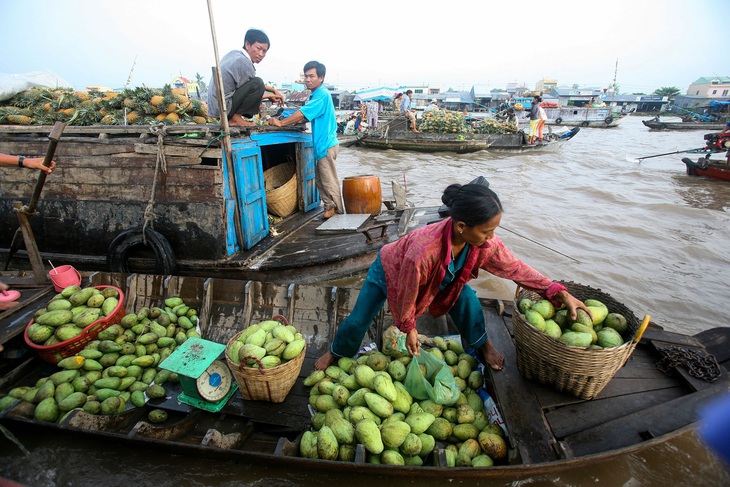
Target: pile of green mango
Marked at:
69, 312
602, 329
364, 401
119, 367
269, 343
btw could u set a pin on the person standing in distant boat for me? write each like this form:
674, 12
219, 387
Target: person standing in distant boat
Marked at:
542, 122
373, 107
407, 111
534, 119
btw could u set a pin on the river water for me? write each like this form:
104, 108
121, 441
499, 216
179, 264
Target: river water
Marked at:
645, 233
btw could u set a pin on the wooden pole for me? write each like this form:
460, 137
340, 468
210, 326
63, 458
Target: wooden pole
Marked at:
24, 231
218, 79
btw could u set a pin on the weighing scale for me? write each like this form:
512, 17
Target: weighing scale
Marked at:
207, 382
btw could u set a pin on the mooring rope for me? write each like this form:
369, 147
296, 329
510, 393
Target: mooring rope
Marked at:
160, 163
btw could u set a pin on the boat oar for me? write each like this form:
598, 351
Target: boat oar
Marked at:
668, 153
53, 138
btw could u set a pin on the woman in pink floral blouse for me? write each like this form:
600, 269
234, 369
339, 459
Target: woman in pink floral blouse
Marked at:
427, 270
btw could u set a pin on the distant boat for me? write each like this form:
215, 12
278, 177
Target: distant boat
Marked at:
395, 136
705, 167
695, 125
584, 117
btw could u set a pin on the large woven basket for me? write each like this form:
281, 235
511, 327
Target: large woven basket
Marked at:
280, 182
581, 372
259, 384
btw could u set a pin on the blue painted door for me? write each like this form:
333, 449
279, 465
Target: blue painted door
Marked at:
251, 192
307, 175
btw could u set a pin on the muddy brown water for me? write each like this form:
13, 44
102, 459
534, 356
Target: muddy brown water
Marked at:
646, 233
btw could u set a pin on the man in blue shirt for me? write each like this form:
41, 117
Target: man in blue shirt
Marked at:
320, 111
405, 109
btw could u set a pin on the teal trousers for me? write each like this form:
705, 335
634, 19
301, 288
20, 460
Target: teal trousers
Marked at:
466, 313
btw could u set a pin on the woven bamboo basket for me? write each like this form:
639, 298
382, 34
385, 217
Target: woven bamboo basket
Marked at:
581, 372
259, 384
280, 183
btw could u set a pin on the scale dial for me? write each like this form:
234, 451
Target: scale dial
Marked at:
215, 382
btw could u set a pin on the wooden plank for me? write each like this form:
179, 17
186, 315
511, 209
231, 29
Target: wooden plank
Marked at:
170, 150
569, 420
670, 337
520, 409
639, 426
550, 398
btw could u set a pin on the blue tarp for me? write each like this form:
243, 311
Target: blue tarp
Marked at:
720, 102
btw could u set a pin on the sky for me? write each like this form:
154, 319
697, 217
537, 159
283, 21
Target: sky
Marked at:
485, 44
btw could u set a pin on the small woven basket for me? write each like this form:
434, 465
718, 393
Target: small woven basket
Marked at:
280, 182
581, 372
259, 384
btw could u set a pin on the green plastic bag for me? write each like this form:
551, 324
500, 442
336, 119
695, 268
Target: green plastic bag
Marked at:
438, 384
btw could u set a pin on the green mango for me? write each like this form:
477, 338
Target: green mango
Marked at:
368, 433
47, 410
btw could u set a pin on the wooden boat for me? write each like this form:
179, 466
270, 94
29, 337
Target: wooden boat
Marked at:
348, 140
202, 213
548, 432
694, 125
584, 117
395, 136
707, 168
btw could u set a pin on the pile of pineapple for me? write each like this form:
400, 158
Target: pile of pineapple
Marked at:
448, 122
133, 106
493, 126
444, 122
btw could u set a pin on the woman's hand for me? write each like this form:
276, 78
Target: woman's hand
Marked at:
412, 343
573, 303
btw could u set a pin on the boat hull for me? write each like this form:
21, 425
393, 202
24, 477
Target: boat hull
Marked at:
654, 125
201, 215
584, 117
714, 170
639, 408
460, 144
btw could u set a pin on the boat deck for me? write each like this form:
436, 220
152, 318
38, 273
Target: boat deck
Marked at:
544, 426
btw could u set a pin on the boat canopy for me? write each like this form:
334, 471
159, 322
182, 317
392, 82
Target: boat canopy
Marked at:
382, 93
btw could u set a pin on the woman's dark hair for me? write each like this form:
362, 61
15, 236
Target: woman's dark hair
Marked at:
472, 204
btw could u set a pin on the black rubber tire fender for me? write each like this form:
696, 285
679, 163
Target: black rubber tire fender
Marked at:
118, 252
558, 121
584, 124
662, 126
608, 120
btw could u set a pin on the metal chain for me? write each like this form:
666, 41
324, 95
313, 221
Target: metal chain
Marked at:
703, 367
